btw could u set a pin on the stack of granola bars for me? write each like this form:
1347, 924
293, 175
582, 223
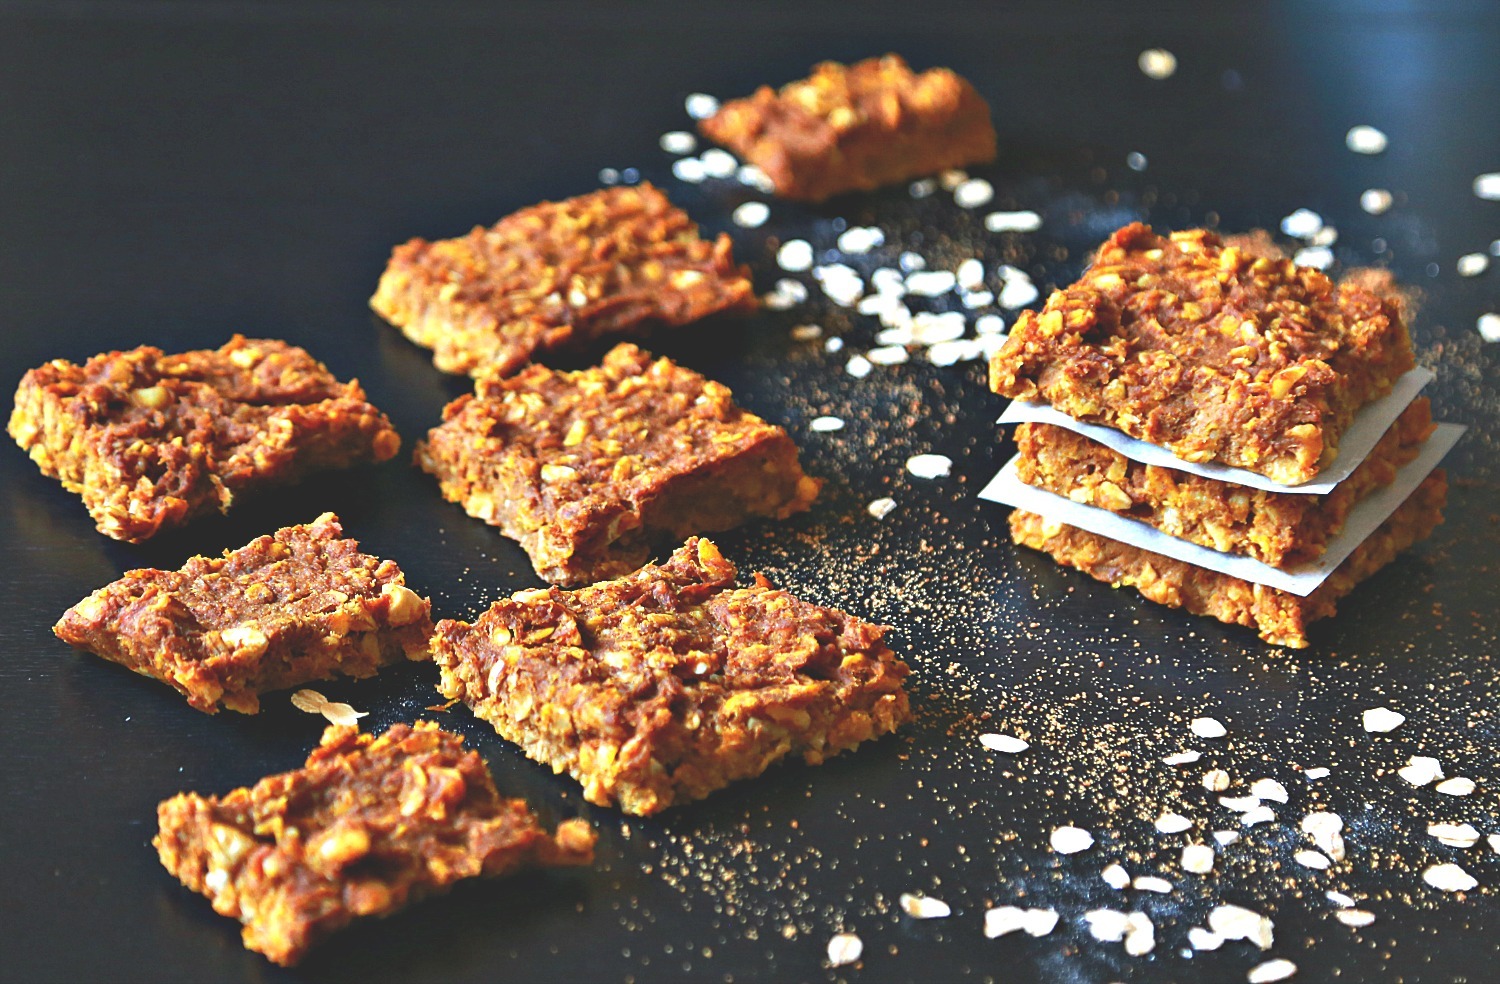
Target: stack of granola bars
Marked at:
1220, 428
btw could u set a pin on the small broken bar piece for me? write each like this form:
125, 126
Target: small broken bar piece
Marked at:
664, 686
1277, 528
151, 440
368, 826
286, 609
857, 127
555, 277
591, 469
1211, 351
1279, 617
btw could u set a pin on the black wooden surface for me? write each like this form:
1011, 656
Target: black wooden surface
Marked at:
171, 173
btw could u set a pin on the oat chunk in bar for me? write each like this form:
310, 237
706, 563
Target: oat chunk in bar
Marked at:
1277, 528
557, 276
661, 687
152, 440
1279, 617
589, 470
1214, 352
300, 605
366, 827
857, 127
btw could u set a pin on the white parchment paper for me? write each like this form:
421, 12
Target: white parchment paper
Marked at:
1363, 520
1370, 424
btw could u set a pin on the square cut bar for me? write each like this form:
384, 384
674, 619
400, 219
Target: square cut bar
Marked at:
557, 276
366, 827
857, 127
283, 610
1277, 528
1281, 618
1214, 352
666, 685
591, 469
152, 440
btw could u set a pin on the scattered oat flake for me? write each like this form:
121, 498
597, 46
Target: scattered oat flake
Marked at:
1420, 770
1312, 859
1182, 758
1457, 786
1198, 859
1376, 201
1141, 937
1071, 840
1107, 925
924, 906
337, 713
1151, 883
888, 355
1272, 970
1226, 837
1260, 814
844, 949
1268, 789
922, 189
860, 239
1216, 780
931, 283
1235, 922
1025, 221
1487, 186
1472, 264
881, 508
1008, 919
754, 177
1355, 917
1364, 139
952, 178
1379, 720
787, 293
807, 333
973, 193
1317, 773
678, 142
1302, 224
1340, 899
719, 163
1135, 160
1240, 804
858, 366
689, 169
1009, 744
443, 707
752, 215
1454, 834
1173, 823
1206, 727
795, 255
700, 105
1489, 327
1204, 939
609, 175
1115, 877
1449, 878
1317, 257
1018, 293
833, 345
1157, 63
933, 466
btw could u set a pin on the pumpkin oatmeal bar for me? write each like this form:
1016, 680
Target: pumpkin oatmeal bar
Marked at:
557, 276
661, 687
1279, 617
366, 827
1277, 528
151, 440
300, 605
591, 469
1214, 352
857, 127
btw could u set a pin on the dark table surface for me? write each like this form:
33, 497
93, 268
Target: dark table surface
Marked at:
171, 173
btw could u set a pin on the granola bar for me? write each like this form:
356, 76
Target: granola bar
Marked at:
1209, 350
1280, 618
661, 687
589, 470
152, 440
857, 127
557, 276
366, 827
300, 605
1278, 528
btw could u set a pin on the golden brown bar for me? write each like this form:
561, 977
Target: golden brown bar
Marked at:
666, 685
1277, 528
1211, 351
152, 440
368, 826
1279, 617
589, 470
857, 127
557, 276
